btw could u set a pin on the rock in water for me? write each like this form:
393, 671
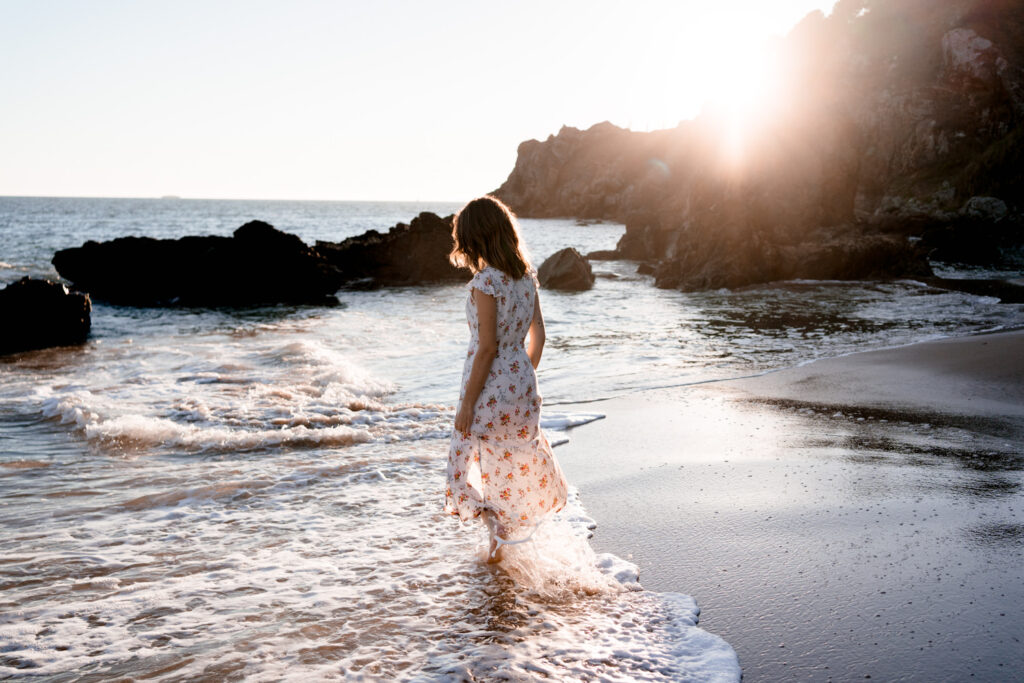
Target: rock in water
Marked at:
990, 208
740, 261
39, 313
257, 265
566, 269
410, 254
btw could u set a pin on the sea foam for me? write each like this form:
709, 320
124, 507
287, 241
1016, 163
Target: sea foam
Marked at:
331, 565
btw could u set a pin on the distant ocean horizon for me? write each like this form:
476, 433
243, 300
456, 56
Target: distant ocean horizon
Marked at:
319, 200
190, 483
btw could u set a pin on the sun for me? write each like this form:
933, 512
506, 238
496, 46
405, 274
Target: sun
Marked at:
743, 87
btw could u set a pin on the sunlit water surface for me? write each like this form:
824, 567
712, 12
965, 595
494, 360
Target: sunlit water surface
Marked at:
216, 493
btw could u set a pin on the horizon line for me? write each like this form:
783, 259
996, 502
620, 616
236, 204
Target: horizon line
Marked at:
171, 197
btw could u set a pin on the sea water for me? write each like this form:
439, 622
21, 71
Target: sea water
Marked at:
208, 493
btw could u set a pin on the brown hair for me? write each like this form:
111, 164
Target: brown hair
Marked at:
486, 234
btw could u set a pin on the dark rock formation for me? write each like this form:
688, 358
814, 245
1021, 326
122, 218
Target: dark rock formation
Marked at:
1007, 291
405, 255
983, 232
566, 269
604, 172
896, 119
731, 263
36, 314
644, 242
257, 265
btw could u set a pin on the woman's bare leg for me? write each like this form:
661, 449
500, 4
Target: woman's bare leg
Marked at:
494, 530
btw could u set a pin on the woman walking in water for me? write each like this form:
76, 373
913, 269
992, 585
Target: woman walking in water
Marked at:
500, 465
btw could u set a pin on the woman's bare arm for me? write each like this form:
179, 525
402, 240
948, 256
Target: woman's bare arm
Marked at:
486, 351
536, 344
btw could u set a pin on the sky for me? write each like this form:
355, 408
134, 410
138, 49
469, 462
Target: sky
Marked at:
360, 100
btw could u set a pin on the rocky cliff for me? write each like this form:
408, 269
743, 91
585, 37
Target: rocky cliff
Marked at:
896, 135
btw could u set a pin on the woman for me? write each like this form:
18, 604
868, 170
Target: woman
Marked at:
500, 465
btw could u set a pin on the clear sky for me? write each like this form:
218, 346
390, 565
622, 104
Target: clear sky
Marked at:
338, 99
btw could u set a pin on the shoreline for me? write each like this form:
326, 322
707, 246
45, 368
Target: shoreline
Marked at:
829, 518
726, 380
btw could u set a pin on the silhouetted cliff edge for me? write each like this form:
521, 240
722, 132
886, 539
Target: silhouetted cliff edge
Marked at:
896, 136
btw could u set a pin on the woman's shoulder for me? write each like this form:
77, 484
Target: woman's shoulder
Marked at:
531, 276
486, 280
490, 279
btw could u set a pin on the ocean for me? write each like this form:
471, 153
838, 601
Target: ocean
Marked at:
217, 494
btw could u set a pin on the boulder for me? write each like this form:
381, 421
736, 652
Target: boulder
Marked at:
257, 265
566, 269
407, 254
37, 314
985, 208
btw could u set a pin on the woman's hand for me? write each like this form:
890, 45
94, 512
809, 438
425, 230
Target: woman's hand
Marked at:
464, 418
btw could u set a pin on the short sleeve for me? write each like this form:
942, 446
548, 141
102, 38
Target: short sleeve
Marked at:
485, 282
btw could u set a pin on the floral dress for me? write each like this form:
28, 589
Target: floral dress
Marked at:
505, 462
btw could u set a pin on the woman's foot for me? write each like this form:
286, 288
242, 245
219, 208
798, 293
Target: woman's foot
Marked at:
494, 552
495, 531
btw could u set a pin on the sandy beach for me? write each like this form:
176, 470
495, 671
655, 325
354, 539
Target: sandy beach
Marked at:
853, 518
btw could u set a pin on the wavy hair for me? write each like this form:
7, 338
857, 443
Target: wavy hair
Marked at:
486, 234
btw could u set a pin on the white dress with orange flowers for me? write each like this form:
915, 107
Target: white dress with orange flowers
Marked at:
505, 462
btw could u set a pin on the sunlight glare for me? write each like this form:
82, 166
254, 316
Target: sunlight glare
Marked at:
742, 89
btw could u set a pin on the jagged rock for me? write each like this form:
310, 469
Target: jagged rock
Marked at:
985, 208
257, 265
896, 114
602, 173
735, 263
642, 242
37, 314
967, 54
566, 269
603, 255
405, 255
975, 241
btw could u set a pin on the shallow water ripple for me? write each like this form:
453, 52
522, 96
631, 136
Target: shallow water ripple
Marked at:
329, 564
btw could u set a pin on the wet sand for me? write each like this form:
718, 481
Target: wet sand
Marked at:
854, 518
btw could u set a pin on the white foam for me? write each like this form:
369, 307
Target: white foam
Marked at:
84, 410
321, 566
557, 564
317, 399
558, 560
140, 431
626, 573
264, 416
564, 421
640, 636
